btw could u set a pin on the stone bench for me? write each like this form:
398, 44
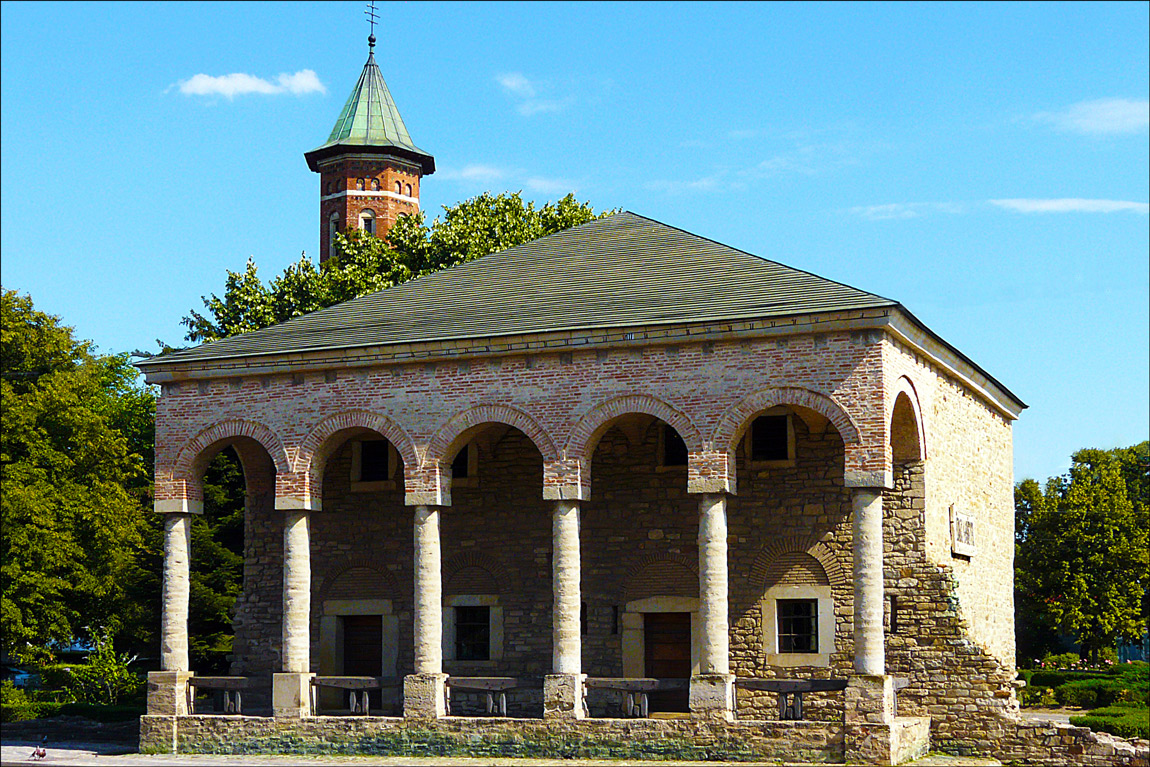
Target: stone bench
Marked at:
359, 690
495, 687
790, 691
231, 687
635, 690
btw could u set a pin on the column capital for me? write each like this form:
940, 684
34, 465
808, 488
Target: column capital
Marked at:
856, 479
177, 506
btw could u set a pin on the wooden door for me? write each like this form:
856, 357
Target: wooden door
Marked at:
667, 655
363, 645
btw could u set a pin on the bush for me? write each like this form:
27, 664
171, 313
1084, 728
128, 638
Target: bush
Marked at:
1058, 678
104, 678
1061, 661
1125, 721
1077, 694
1037, 696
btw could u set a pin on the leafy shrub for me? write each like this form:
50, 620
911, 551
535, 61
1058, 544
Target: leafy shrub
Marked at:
1037, 696
1125, 721
32, 709
101, 713
1058, 678
104, 678
1064, 660
1077, 694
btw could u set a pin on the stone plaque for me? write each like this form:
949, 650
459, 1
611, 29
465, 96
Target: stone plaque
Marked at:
962, 533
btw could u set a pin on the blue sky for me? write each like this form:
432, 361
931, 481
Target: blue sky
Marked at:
985, 165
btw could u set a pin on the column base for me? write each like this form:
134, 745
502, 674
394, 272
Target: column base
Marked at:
564, 696
425, 696
869, 700
713, 696
168, 693
291, 695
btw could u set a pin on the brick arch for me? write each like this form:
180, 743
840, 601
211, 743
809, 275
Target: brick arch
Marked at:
448, 435
313, 445
633, 586
190, 461
905, 387
734, 421
490, 564
595, 422
389, 588
799, 545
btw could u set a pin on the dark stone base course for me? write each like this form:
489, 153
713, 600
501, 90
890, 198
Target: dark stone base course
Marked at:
647, 739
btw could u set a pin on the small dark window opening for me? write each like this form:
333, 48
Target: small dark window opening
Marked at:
473, 633
894, 615
674, 449
614, 620
375, 185
459, 466
359, 184
798, 625
373, 460
583, 618
769, 438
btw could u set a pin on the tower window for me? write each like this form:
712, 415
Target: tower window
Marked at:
398, 187
359, 184
332, 229
375, 185
407, 189
367, 220
327, 188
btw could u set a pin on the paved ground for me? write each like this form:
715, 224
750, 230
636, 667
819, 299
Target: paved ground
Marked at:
1059, 715
111, 755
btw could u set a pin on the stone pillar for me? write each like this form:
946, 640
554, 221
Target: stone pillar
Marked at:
563, 689
712, 689
291, 689
425, 691
176, 590
868, 578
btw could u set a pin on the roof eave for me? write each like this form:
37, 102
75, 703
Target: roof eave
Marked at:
425, 161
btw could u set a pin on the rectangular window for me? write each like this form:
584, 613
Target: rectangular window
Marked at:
459, 467
373, 461
473, 633
798, 625
769, 439
674, 449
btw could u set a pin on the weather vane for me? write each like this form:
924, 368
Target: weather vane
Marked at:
371, 19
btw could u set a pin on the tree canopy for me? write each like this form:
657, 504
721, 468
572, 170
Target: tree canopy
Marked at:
1083, 547
364, 264
75, 447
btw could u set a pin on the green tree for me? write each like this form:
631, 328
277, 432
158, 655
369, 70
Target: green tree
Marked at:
75, 440
1083, 547
364, 264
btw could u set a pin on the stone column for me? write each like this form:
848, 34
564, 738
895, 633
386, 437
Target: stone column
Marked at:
869, 699
167, 688
563, 689
868, 553
291, 689
425, 691
712, 689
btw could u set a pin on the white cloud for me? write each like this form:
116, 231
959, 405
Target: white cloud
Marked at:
517, 84
1102, 116
479, 174
549, 185
532, 95
241, 84
483, 174
903, 210
1072, 205
713, 183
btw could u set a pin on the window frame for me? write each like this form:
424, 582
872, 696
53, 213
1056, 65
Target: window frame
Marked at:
472, 478
748, 440
358, 485
494, 632
825, 625
663, 465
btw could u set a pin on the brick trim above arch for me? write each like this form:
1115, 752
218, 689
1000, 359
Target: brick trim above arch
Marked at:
734, 421
629, 583
595, 422
390, 589
493, 566
187, 459
314, 443
797, 544
445, 438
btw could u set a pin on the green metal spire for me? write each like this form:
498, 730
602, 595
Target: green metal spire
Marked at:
370, 122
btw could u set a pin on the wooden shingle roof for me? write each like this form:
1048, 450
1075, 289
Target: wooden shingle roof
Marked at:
619, 271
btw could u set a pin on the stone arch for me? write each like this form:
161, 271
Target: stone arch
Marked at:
907, 432
457, 430
772, 552
192, 459
492, 567
314, 445
595, 423
356, 571
654, 574
734, 422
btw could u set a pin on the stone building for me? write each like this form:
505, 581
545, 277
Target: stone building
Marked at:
620, 452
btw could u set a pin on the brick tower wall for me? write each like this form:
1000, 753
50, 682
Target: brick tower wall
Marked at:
339, 194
